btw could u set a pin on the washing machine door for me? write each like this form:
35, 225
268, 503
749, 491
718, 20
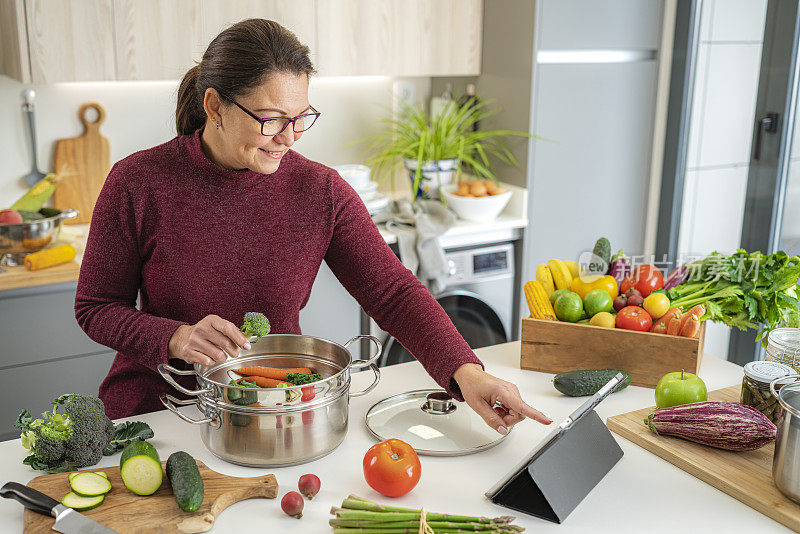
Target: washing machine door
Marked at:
473, 317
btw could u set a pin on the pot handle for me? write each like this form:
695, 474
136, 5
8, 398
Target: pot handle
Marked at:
68, 214
361, 364
169, 403
164, 370
374, 382
777, 396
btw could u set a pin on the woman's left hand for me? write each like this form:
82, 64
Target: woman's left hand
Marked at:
498, 402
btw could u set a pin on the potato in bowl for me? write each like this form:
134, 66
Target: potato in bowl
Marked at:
484, 205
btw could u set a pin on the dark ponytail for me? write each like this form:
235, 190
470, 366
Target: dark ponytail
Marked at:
237, 60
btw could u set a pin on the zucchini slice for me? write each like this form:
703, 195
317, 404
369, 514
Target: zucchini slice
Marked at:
90, 484
140, 468
76, 473
80, 503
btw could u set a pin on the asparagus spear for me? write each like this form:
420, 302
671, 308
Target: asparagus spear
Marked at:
354, 503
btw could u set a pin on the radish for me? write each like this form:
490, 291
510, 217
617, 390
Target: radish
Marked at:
292, 504
309, 485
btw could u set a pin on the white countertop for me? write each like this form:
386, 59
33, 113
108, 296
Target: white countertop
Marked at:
642, 493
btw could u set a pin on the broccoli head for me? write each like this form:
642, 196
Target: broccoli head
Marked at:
255, 324
75, 438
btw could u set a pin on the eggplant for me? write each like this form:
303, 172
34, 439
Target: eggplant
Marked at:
731, 426
676, 277
619, 268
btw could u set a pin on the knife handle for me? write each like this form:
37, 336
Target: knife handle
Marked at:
29, 497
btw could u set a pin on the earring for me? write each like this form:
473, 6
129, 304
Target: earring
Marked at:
217, 124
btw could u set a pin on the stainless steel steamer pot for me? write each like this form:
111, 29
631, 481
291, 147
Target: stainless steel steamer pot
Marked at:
786, 460
279, 426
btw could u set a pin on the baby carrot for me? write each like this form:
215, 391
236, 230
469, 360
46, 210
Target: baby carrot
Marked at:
264, 382
271, 372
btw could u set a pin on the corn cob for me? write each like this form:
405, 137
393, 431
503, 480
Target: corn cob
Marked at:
538, 301
544, 277
35, 198
49, 257
561, 275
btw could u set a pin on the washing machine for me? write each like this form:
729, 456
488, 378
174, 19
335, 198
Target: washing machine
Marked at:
478, 297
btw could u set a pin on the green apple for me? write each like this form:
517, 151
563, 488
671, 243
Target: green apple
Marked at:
679, 388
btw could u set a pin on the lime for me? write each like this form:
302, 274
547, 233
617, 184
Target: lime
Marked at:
568, 307
596, 301
557, 293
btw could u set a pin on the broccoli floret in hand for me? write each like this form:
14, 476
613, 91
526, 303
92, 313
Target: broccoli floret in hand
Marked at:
255, 324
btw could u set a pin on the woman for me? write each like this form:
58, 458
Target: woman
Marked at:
226, 219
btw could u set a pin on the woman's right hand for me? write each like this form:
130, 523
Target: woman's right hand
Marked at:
205, 341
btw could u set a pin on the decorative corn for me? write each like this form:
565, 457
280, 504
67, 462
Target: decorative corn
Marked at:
49, 257
561, 275
545, 277
35, 198
538, 301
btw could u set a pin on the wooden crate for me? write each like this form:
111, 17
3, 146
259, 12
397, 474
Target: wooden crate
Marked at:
556, 347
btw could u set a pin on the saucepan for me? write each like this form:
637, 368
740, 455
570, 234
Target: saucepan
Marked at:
274, 427
18, 240
786, 461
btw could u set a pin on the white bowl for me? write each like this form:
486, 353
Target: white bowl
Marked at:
475, 209
358, 176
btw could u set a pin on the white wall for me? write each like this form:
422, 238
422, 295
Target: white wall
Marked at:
721, 128
142, 114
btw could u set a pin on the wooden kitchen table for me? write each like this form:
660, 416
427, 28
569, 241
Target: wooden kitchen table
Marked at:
642, 493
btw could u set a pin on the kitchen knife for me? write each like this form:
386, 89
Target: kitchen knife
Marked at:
68, 520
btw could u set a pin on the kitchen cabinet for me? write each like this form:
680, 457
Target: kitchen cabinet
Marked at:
90, 40
399, 37
58, 41
298, 15
156, 40
43, 352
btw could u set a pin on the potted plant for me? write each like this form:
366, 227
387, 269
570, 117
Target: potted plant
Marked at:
444, 144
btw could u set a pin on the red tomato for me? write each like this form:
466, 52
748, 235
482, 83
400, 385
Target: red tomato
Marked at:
392, 467
645, 278
634, 318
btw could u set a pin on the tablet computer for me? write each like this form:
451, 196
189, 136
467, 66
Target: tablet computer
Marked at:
557, 432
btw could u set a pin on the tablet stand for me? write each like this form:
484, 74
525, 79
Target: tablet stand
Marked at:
564, 472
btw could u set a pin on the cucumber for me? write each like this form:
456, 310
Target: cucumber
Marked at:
587, 381
140, 468
187, 484
89, 484
80, 503
76, 473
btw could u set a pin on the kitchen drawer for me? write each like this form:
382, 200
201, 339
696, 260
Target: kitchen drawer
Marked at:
39, 324
32, 387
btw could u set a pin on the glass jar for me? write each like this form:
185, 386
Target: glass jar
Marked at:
783, 345
755, 386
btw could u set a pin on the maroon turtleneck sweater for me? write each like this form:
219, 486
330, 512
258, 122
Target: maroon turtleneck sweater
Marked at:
193, 239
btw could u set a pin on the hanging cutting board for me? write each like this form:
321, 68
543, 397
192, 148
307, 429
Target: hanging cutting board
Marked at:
84, 163
125, 511
746, 476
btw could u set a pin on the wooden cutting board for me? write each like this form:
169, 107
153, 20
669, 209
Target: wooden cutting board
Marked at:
127, 512
84, 163
746, 476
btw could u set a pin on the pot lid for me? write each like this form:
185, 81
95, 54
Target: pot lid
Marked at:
432, 423
767, 371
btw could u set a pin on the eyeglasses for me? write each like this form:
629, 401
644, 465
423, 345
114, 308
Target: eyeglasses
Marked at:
275, 125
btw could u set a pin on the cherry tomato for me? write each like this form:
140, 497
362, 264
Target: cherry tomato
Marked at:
644, 278
392, 467
634, 318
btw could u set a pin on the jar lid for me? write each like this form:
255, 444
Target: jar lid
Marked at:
785, 338
432, 423
766, 371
